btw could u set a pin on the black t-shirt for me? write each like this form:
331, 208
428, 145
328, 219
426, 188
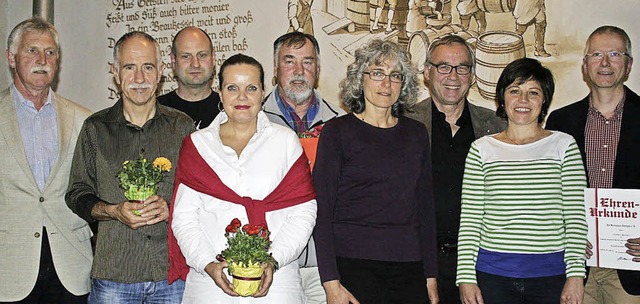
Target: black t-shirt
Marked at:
202, 111
448, 155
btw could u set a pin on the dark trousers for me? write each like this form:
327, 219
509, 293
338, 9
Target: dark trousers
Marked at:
378, 282
48, 288
447, 289
498, 289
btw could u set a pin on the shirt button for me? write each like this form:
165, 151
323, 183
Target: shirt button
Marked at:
606, 122
605, 146
603, 169
36, 235
41, 199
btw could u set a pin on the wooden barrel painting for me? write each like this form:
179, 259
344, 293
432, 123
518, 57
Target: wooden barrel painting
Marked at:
494, 50
496, 6
358, 12
420, 40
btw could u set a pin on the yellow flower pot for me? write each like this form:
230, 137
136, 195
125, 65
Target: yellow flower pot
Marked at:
138, 195
246, 280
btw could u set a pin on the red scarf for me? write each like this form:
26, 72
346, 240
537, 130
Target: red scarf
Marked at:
193, 171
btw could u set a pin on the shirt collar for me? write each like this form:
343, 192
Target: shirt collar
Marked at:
617, 112
286, 109
20, 101
463, 120
116, 112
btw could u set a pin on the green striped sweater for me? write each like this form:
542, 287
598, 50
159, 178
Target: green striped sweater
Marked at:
523, 199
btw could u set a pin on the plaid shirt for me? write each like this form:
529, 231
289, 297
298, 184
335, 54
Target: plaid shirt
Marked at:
601, 145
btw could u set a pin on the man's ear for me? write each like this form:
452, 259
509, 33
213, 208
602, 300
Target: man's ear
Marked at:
11, 58
160, 71
116, 73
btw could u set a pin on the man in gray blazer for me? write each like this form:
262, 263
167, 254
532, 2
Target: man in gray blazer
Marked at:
453, 124
45, 249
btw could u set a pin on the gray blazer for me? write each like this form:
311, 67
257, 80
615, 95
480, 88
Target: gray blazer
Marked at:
484, 121
23, 208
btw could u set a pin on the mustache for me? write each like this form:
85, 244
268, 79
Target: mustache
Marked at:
299, 78
134, 86
40, 68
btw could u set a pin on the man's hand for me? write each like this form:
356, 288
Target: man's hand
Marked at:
151, 211
573, 291
215, 271
470, 294
432, 289
634, 248
589, 251
267, 279
337, 294
154, 209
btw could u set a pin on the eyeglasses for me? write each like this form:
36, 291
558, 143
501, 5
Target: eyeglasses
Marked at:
377, 75
444, 68
611, 56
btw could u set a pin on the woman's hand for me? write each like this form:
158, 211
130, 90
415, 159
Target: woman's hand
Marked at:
337, 294
470, 294
267, 279
432, 289
215, 271
573, 291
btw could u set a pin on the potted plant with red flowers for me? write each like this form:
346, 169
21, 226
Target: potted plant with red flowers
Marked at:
247, 249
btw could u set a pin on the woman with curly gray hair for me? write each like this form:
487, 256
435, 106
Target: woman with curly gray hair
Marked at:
375, 231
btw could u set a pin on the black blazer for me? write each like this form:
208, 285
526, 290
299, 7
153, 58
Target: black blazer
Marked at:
572, 119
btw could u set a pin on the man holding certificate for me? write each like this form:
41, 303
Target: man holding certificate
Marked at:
606, 127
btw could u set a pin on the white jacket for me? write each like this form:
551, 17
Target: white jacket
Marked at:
199, 220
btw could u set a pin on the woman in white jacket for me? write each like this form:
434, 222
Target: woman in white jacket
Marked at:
256, 160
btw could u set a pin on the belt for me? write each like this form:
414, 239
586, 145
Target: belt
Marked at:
448, 248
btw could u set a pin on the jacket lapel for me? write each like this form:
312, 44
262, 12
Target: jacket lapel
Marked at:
11, 133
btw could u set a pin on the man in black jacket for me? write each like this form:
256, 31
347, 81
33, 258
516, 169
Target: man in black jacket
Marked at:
606, 126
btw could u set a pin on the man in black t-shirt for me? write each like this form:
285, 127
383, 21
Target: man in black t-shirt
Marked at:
193, 61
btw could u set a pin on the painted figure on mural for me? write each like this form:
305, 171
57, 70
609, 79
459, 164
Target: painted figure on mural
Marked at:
299, 12
468, 9
529, 12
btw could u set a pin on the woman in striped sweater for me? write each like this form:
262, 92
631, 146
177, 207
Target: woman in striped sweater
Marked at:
522, 230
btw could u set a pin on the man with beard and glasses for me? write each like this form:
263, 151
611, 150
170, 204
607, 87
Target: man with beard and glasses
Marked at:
131, 260
296, 103
453, 123
194, 62
45, 249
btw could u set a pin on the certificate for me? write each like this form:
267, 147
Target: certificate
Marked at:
613, 217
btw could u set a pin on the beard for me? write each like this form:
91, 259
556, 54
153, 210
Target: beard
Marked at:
298, 95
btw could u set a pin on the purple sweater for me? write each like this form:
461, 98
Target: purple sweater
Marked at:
374, 194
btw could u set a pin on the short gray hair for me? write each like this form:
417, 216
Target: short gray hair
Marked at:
610, 29
449, 40
35, 24
127, 36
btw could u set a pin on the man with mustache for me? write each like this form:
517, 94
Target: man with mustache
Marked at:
131, 256
295, 103
606, 127
194, 62
453, 123
45, 249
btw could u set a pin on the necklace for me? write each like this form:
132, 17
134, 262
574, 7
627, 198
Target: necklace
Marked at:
525, 140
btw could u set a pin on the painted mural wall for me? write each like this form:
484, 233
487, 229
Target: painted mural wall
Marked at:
552, 31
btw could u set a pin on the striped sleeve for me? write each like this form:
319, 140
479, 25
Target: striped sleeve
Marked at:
573, 183
473, 203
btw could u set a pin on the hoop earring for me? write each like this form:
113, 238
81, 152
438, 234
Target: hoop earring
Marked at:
220, 107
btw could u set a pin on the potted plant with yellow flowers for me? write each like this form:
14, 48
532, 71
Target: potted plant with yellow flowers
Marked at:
247, 249
140, 178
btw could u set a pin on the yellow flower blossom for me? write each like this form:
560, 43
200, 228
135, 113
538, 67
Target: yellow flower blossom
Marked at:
163, 163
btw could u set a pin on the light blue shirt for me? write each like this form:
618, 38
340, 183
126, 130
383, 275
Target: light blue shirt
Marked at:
39, 131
